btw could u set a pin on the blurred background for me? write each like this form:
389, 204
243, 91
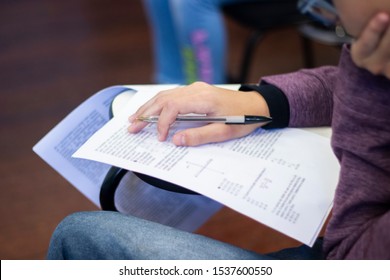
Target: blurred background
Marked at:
54, 55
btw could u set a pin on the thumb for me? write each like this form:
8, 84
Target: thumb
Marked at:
211, 133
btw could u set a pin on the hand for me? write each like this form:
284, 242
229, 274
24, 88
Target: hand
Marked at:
201, 98
372, 49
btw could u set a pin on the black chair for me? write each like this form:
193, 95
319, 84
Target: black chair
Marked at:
266, 15
261, 17
113, 179
313, 32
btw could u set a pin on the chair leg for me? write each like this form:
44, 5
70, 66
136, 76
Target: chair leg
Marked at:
109, 186
253, 40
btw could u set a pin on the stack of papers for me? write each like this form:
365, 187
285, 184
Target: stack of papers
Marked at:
283, 178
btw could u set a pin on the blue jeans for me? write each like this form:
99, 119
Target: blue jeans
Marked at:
111, 235
189, 40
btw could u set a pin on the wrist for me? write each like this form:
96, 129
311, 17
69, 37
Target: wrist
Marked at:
276, 103
255, 104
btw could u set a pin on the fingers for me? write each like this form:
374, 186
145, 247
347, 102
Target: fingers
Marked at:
153, 107
168, 104
200, 98
372, 49
211, 133
370, 37
167, 117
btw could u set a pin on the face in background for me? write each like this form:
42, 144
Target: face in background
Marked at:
355, 14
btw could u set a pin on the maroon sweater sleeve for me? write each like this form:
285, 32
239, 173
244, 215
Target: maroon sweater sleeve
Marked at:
357, 105
360, 223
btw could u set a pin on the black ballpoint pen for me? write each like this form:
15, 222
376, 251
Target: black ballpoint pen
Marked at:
246, 119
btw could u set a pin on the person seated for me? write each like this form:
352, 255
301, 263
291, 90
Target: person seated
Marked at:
353, 98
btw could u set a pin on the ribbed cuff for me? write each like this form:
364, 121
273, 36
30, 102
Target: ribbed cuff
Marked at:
277, 102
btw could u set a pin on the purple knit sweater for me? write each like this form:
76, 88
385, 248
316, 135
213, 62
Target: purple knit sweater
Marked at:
357, 105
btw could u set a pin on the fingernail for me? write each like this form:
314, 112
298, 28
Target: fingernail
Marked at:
179, 140
133, 125
130, 128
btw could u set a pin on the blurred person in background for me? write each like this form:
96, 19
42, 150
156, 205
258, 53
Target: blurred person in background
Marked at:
189, 40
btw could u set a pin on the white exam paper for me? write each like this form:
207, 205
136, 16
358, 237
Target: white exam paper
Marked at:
133, 196
57, 147
282, 178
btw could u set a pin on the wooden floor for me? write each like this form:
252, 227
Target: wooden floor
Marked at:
55, 54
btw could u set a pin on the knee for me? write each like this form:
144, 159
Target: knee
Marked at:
80, 235
72, 223
84, 224
71, 228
